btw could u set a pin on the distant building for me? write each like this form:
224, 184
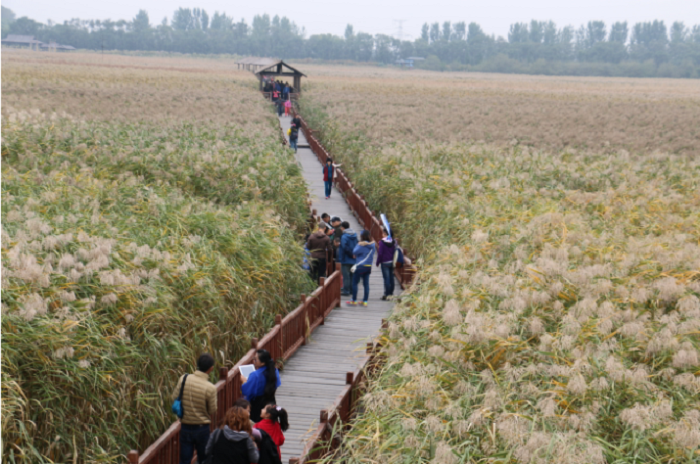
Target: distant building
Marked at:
409, 62
16, 40
56, 47
28, 41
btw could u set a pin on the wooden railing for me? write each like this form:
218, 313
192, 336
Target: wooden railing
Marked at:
292, 96
404, 273
288, 334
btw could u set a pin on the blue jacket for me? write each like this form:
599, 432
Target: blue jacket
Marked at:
364, 254
255, 386
348, 242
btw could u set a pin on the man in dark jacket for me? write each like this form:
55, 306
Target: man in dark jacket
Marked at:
348, 241
319, 244
337, 230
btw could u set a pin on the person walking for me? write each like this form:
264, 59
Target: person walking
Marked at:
274, 422
287, 107
328, 172
233, 444
199, 408
385, 259
319, 244
348, 241
280, 108
293, 137
364, 255
262, 384
297, 121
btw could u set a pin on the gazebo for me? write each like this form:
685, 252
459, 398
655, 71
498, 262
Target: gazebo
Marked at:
265, 68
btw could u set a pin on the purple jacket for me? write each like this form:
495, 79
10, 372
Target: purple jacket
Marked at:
385, 251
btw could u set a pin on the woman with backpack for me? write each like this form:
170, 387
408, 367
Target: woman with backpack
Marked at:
274, 422
233, 444
262, 384
385, 259
364, 255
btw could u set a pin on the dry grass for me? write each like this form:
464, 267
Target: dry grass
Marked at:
545, 112
118, 88
558, 314
147, 215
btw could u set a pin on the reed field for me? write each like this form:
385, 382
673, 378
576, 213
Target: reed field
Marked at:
149, 213
394, 106
557, 314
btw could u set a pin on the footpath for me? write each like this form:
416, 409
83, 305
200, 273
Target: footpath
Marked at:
314, 376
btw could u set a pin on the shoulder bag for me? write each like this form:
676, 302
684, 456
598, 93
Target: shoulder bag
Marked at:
178, 408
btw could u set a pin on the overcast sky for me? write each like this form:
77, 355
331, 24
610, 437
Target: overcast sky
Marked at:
378, 16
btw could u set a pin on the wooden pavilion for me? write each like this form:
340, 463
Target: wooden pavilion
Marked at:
265, 68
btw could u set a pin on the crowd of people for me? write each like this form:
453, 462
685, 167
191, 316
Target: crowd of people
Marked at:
251, 432
356, 256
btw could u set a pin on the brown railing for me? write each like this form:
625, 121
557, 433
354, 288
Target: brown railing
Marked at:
369, 220
292, 96
282, 341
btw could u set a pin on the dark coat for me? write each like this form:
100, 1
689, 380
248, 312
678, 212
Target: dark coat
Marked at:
268, 450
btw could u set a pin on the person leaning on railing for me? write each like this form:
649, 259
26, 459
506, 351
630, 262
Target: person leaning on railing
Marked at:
262, 384
199, 405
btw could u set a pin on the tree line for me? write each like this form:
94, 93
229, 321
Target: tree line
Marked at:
643, 49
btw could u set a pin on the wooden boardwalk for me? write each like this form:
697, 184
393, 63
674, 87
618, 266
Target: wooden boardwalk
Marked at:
314, 376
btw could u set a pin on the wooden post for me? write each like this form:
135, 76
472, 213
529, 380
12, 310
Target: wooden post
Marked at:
324, 416
370, 348
278, 322
349, 377
293, 460
223, 373
133, 457
254, 343
306, 318
385, 324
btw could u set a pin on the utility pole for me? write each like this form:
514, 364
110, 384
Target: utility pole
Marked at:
400, 28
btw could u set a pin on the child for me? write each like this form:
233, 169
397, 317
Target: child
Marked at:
293, 134
274, 422
245, 404
287, 107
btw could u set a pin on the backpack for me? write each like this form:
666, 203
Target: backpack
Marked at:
268, 450
398, 256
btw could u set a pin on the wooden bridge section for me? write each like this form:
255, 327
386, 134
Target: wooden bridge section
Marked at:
324, 347
314, 377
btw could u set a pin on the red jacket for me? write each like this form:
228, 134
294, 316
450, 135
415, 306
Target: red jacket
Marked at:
274, 430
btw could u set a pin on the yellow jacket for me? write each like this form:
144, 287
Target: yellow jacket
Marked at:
198, 399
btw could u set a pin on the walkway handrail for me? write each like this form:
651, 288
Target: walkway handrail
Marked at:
281, 341
404, 273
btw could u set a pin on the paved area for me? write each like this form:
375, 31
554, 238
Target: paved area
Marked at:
314, 376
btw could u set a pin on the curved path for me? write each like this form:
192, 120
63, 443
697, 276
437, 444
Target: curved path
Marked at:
314, 376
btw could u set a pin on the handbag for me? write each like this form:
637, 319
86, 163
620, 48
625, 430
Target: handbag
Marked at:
178, 408
354, 268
